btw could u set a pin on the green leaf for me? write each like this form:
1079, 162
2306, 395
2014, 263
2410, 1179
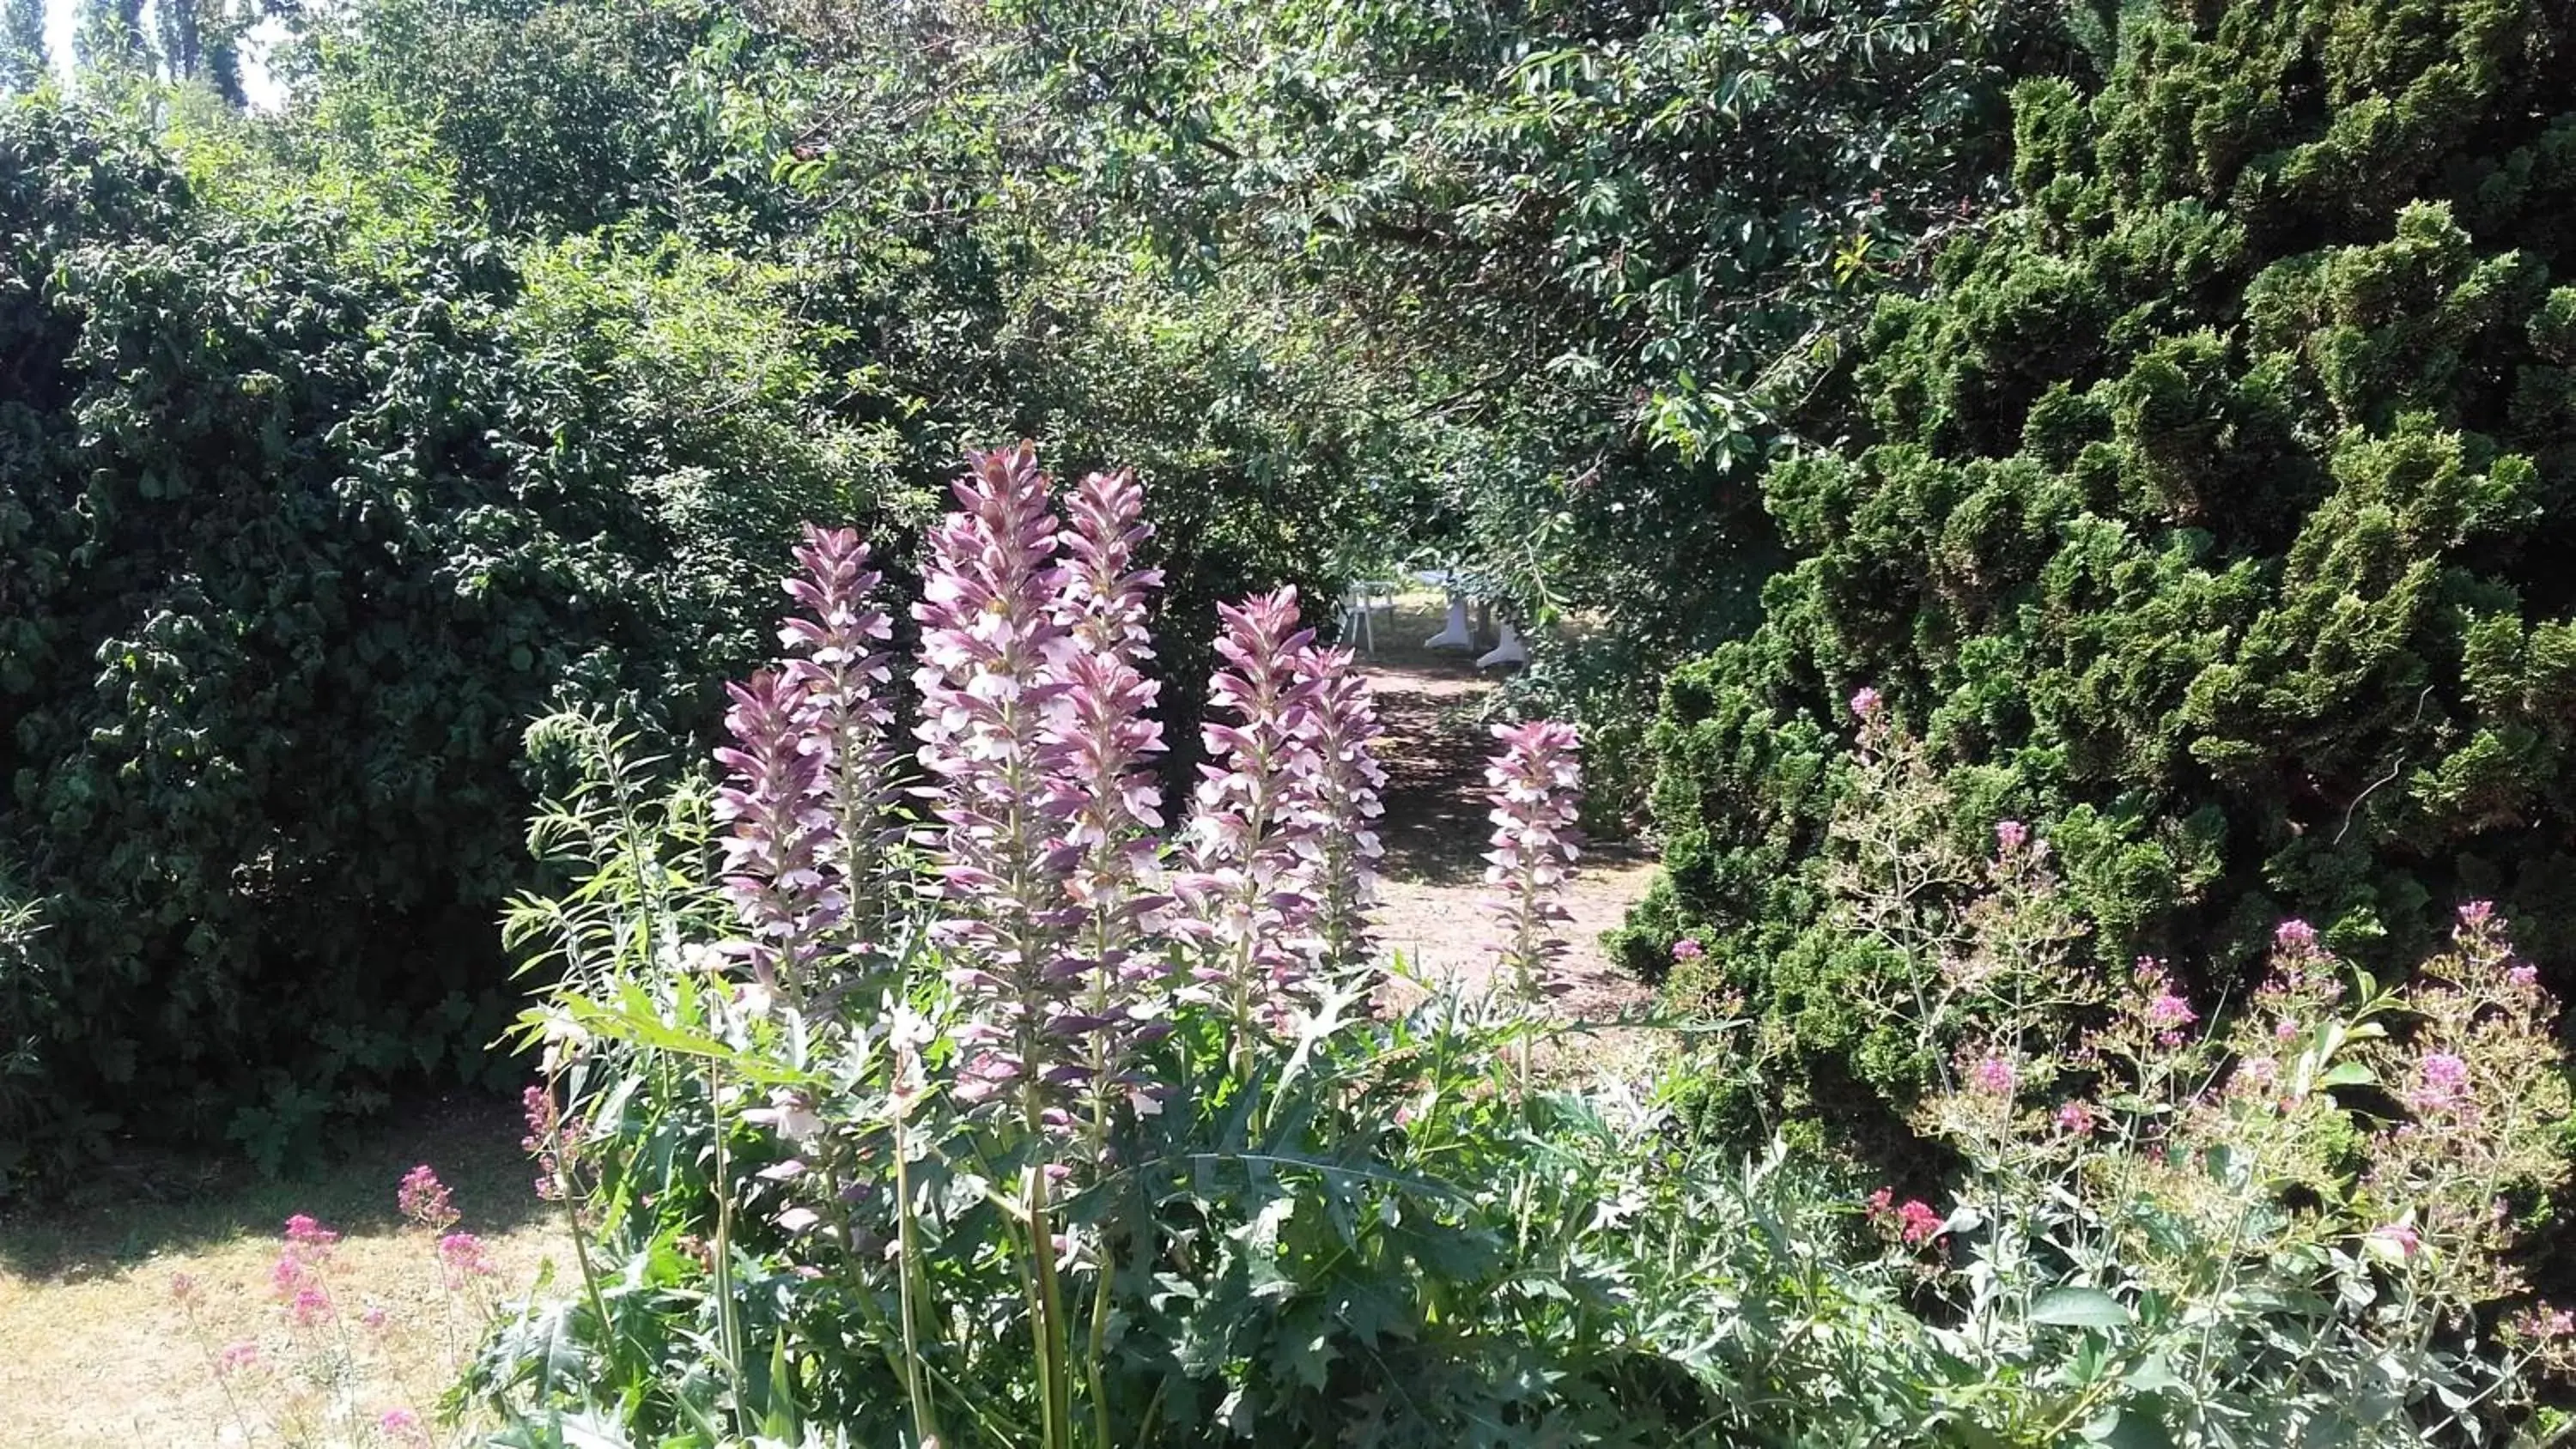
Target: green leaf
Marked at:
2080, 1308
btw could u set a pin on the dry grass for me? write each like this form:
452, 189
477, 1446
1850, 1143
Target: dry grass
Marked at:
94, 1352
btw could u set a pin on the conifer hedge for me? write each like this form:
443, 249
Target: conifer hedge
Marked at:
2211, 512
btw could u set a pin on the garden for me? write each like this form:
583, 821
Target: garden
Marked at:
771, 725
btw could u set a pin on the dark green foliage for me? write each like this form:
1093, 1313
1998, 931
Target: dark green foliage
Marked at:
303, 515
2211, 513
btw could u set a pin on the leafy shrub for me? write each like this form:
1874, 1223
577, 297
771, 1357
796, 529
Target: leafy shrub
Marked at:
1110, 1143
2206, 515
303, 513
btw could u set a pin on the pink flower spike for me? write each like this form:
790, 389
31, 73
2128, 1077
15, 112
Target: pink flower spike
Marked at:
2011, 835
2294, 936
1687, 949
1917, 1223
304, 1232
2526, 976
236, 1358
2075, 1119
309, 1306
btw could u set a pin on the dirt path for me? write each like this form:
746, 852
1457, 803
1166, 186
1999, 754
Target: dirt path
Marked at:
1433, 894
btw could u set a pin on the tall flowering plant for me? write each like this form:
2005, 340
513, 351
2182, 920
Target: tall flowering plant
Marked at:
838, 657
1130, 1053
1343, 785
1248, 881
1536, 787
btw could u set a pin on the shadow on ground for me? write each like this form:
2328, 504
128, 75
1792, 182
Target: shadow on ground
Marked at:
1430, 702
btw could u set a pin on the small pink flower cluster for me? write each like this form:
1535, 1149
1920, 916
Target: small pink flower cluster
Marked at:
1687, 949
2078, 1119
553, 1139
424, 1199
1912, 1221
297, 1280
2165, 1011
463, 1258
1994, 1075
2441, 1083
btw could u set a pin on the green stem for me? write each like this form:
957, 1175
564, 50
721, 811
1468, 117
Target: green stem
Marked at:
728, 1322
1046, 1305
925, 1426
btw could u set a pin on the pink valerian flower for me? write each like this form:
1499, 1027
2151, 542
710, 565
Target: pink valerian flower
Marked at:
375, 1318
2441, 1083
2542, 1324
311, 1236
424, 1200
1993, 1075
1913, 1221
775, 853
2170, 1011
237, 1358
1687, 949
991, 635
2294, 937
1249, 888
1341, 791
1865, 705
463, 1258
2523, 975
2163, 1009
1105, 787
403, 1427
553, 1139
841, 663
1536, 785
2077, 1119
311, 1305
2011, 836
186, 1291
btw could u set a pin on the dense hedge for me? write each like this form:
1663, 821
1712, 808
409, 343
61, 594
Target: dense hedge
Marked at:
2211, 512
303, 514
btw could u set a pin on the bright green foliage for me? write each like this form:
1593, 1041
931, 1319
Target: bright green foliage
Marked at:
2211, 514
304, 511
22, 45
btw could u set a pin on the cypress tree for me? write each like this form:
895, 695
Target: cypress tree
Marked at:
2211, 511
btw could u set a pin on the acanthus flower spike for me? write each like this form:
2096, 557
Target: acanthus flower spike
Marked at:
1110, 800
774, 856
1536, 785
1343, 787
992, 644
842, 665
1248, 888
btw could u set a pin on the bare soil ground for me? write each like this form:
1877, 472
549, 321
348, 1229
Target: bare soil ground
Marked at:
1433, 896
